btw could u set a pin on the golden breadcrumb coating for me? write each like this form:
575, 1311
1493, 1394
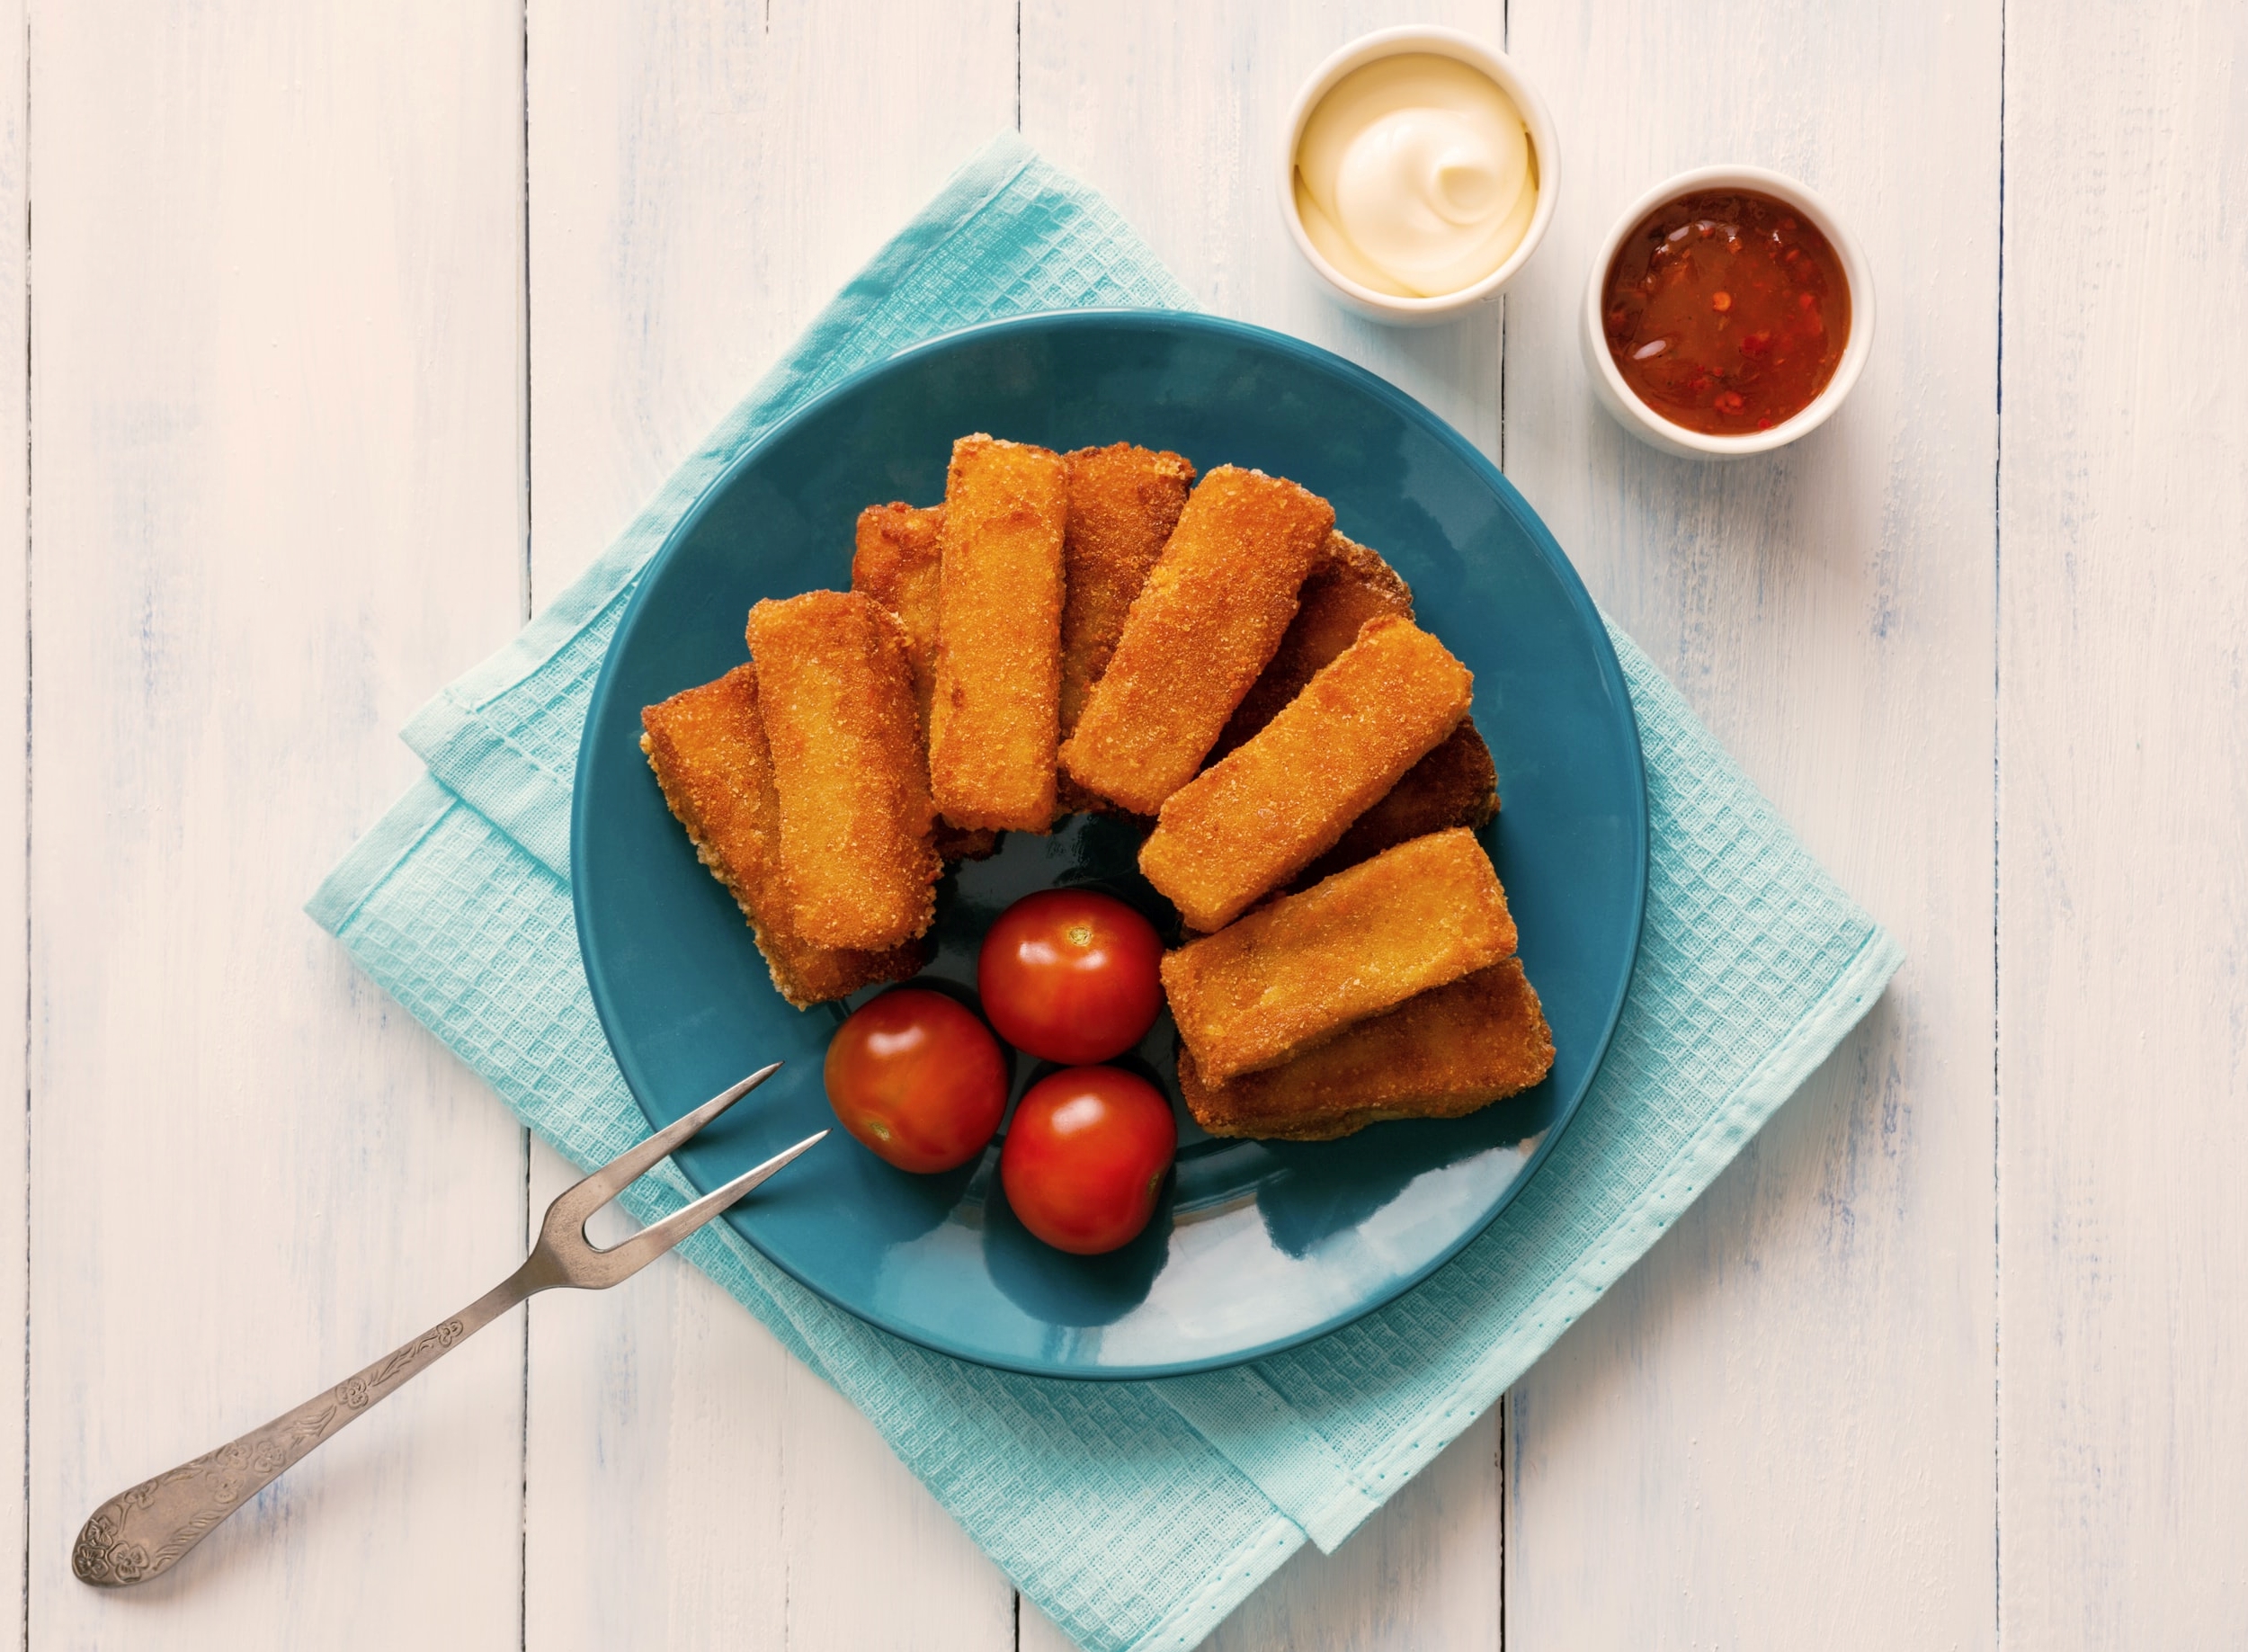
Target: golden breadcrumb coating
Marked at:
896, 563
1254, 819
707, 748
1204, 627
1291, 976
848, 764
1124, 501
994, 720
1347, 587
1455, 785
1445, 1053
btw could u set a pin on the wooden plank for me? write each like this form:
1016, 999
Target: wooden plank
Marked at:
687, 1474
1785, 1410
2123, 832
15, 789
277, 468
1174, 112
702, 179
1422, 1575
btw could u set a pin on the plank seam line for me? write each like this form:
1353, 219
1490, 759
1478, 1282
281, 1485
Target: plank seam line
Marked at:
1498, 1464
523, 81
1506, 34
522, 1460
25, 1623
523, 1526
1505, 1408
1998, 633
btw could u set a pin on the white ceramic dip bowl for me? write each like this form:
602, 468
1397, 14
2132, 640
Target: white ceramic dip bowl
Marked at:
1495, 65
1649, 425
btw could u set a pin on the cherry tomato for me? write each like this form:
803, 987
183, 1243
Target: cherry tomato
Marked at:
918, 1079
1071, 975
1086, 1155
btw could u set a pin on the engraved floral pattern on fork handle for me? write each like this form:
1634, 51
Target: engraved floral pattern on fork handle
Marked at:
141, 1533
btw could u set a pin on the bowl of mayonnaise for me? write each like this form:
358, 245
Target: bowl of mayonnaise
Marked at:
1419, 173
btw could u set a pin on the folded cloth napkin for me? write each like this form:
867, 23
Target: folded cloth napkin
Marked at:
1135, 1514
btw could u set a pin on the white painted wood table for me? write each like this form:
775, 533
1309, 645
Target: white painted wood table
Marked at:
342, 335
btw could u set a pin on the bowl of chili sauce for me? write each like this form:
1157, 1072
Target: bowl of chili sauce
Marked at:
1728, 313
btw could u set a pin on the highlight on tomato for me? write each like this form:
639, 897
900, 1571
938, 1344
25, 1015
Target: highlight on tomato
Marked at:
1071, 975
1085, 1157
918, 1078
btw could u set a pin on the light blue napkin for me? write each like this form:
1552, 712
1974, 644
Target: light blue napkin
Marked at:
1135, 1514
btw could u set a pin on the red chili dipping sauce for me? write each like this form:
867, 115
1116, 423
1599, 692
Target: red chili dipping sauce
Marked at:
1726, 311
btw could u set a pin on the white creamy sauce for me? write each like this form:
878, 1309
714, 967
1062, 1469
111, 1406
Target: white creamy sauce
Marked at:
1415, 176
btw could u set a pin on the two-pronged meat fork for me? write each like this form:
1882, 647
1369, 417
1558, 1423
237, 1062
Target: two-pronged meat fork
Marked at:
141, 1533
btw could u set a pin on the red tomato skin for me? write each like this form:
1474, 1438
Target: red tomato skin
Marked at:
918, 1079
1071, 976
1085, 1156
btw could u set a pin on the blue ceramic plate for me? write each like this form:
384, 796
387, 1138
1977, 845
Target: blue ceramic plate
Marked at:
1256, 1245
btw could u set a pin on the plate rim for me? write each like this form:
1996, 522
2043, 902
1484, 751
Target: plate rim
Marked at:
1609, 667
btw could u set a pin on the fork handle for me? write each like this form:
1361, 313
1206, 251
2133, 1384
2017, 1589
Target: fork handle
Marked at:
141, 1533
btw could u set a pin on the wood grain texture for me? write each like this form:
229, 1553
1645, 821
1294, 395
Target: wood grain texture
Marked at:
14, 707
691, 1483
701, 180
278, 480
1422, 1575
2123, 831
1174, 112
1784, 1412
299, 385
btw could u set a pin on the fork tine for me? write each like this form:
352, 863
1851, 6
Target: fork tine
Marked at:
623, 1260
580, 1200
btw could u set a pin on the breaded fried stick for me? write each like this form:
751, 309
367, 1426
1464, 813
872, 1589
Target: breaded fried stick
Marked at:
897, 564
994, 720
896, 560
1445, 1053
1290, 976
1203, 627
1124, 501
1253, 820
1347, 585
1455, 785
838, 701
707, 748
